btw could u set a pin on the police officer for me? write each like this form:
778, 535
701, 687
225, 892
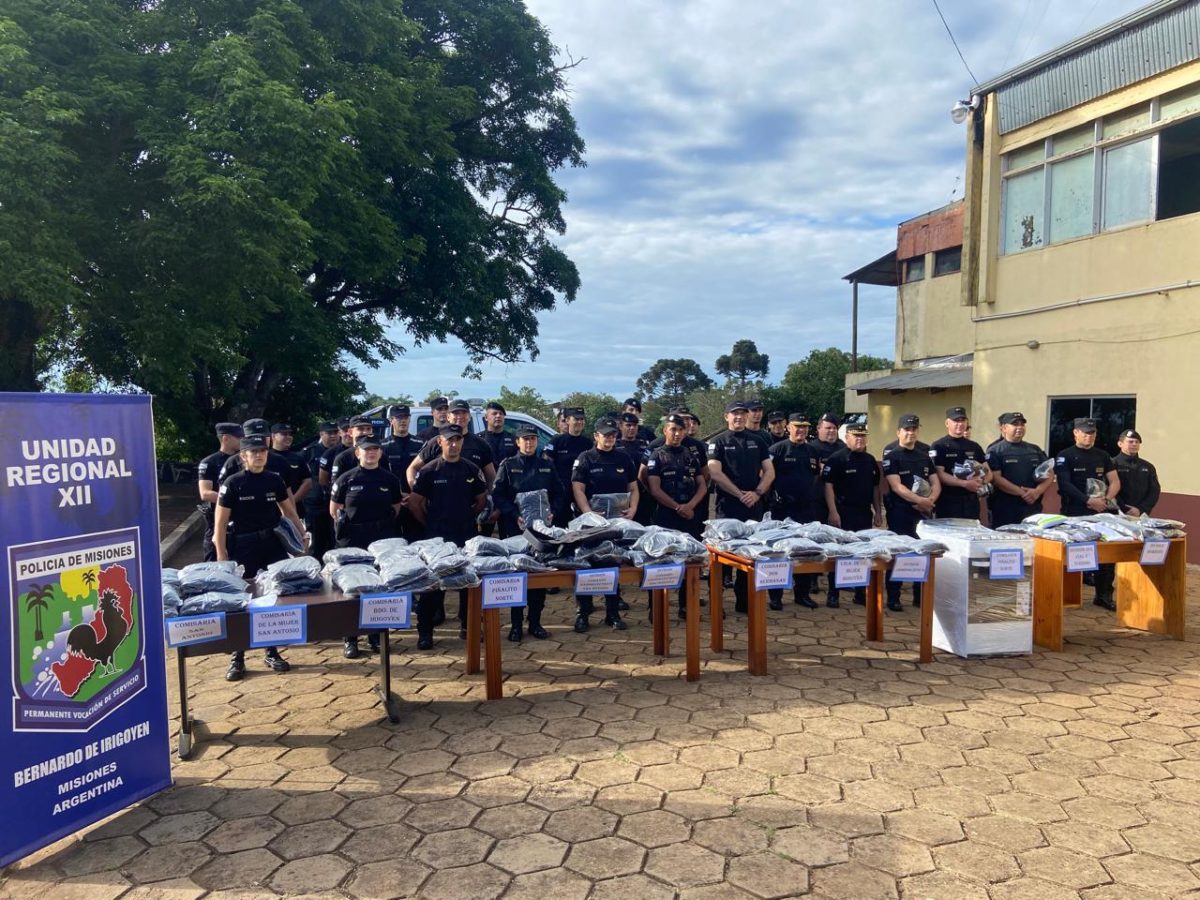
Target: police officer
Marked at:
777, 427
316, 504
439, 408
852, 494
603, 470
906, 508
499, 441
631, 442
1073, 467
449, 492
275, 461
563, 450
363, 505
295, 474
399, 450
740, 467
208, 471
634, 405
249, 506
519, 474
1139, 479
960, 496
474, 448
347, 459
754, 423
673, 478
1013, 461
325, 464
794, 495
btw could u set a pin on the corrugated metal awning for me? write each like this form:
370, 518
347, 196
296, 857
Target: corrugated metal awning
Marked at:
929, 378
882, 271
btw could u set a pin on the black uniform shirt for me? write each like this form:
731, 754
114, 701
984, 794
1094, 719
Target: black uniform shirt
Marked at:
398, 452
1073, 467
519, 474
474, 450
253, 500
501, 443
563, 450
796, 470
312, 462
677, 470
295, 473
741, 455
950, 451
209, 469
346, 461
1016, 462
853, 475
325, 463
450, 490
645, 434
368, 495
1139, 483
637, 450
895, 445
826, 449
603, 472
908, 465
692, 445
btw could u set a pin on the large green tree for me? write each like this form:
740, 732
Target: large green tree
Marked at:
233, 204
817, 383
744, 363
668, 382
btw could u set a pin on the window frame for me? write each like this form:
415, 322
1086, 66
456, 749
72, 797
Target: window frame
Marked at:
954, 271
904, 268
1091, 399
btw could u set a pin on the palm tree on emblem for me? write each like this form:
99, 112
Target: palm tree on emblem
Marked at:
35, 602
89, 578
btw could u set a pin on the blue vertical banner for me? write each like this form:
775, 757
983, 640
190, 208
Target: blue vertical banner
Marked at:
84, 730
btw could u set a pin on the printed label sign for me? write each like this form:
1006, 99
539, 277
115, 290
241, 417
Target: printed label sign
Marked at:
772, 573
664, 577
505, 591
1006, 564
596, 581
187, 630
1081, 557
385, 610
1154, 553
852, 573
911, 567
278, 625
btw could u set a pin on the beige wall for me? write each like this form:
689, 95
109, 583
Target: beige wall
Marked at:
930, 320
886, 408
854, 401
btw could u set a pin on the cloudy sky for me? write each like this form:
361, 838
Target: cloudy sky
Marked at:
742, 158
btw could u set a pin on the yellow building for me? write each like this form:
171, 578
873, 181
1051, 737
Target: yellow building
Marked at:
1081, 246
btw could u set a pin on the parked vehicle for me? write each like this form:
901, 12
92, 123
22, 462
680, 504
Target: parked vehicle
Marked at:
422, 417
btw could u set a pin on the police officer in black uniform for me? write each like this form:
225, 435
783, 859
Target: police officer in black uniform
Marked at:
603, 470
518, 475
1013, 461
399, 450
960, 496
249, 506
208, 472
439, 409
795, 494
448, 494
347, 459
852, 494
754, 421
316, 504
1139, 479
1073, 467
777, 427
295, 473
634, 405
363, 504
905, 463
562, 451
739, 464
474, 448
673, 478
499, 441
275, 461
325, 463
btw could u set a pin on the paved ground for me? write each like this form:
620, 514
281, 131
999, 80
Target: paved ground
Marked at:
848, 772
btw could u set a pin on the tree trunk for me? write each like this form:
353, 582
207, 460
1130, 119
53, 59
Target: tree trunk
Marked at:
20, 327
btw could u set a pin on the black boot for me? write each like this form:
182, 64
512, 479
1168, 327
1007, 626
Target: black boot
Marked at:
831, 600
275, 662
350, 648
514, 634
237, 666
581, 624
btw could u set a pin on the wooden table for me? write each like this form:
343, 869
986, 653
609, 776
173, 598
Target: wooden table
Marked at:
489, 620
330, 616
1149, 598
756, 608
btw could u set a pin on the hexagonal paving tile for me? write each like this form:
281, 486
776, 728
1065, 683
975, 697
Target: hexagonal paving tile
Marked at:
512, 820
627, 886
605, 857
685, 865
236, 870
768, 875
447, 849
982, 862
312, 874
560, 884
244, 834
895, 855
309, 840
1004, 832
852, 881
654, 828
731, 836
380, 842
1174, 842
479, 882
387, 880
442, 815
528, 853
178, 829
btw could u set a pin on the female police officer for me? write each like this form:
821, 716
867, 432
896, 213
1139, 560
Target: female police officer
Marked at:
672, 475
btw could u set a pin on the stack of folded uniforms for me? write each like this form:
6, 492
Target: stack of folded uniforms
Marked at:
353, 579
205, 588
449, 564
346, 556
299, 575
402, 569
665, 545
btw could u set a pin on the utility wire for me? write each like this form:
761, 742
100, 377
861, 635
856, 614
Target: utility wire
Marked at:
974, 80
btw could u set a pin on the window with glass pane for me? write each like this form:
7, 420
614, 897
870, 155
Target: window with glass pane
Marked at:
1063, 413
1024, 211
1129, 183
1179, 169
1127, 121
1072, 186
1075, 139
1181, 102
1024, 156
947, 261
914, 269
1113, 415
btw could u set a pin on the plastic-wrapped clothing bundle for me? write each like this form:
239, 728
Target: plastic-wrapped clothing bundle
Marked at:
921, 487
402, 572
834, 550
726, 529
873, 549
290, 536
346, 556
203, 578
970, 468
587, 520
610, 505
445, 564
298, 569
629, 529
658, 542
801, 548
214, 601
485, 546
459, 579
1044, 471
563, 562
826, 534
773, 535
223, 565
735, 545
518, 543
386, 545
171, 577
605, 550
534, 506
492, 565
427, 544
357, 578
762, 551
523, 562
171, 600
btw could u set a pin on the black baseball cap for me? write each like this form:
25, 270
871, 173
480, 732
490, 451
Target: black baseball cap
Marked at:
327, 428
526, 430
460, 406
799, 419
676, 419
282, 428
343, 423
256, 426
496, 406
230, 428
628, 418
910, 421
634, 402
367, 440
680, 409
776, 417
856, 428
450, 431
754, 404
254, 442
1084, 424
605, 426
1012, 418
439, 403
957, 412
361, 420
735, 405
399, 411
573, 412
830, 418
1130, 433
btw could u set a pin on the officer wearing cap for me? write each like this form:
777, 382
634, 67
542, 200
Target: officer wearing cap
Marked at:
1073, 467
295, 475
249, 506
901, 467
474, 448
795, 494
827, 441
439, 409
229, 435
275, 461
499, 441
363, 504
563, 450
637, 448
740, 467
1139, 479
316, 505
449, 492
1013, 461
399, 451
519, 474
852, 493
634, 405
360, 427
754, 421
777, 427
325, 464
960, 496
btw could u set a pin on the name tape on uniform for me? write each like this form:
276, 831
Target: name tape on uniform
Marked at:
1006, 564
663, 577
505, 591
385, 610
1154, 553
1081, 557
276, 626
772, 573
850, 572
186, 630
596, 581
911, 567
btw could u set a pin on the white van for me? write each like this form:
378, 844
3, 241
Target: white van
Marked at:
422, 418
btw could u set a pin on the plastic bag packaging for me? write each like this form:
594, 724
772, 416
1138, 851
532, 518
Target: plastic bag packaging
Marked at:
762, 551
485, 514
518, 543
386, 545
826, 534
485, 546
347, 556
587, 520
523, 562
224, 565
268, 583
1044, 470
834, 550
298, 569
727, 529
921, 487
401, 566
492, 565
602, 550
457, 581
171, 577
214, 601
427, 544
449, 563
534, 506
876, 549
658, 542
801, 548
290, 536
629, 530
205, 581
610, 505
357, 578
171, 600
